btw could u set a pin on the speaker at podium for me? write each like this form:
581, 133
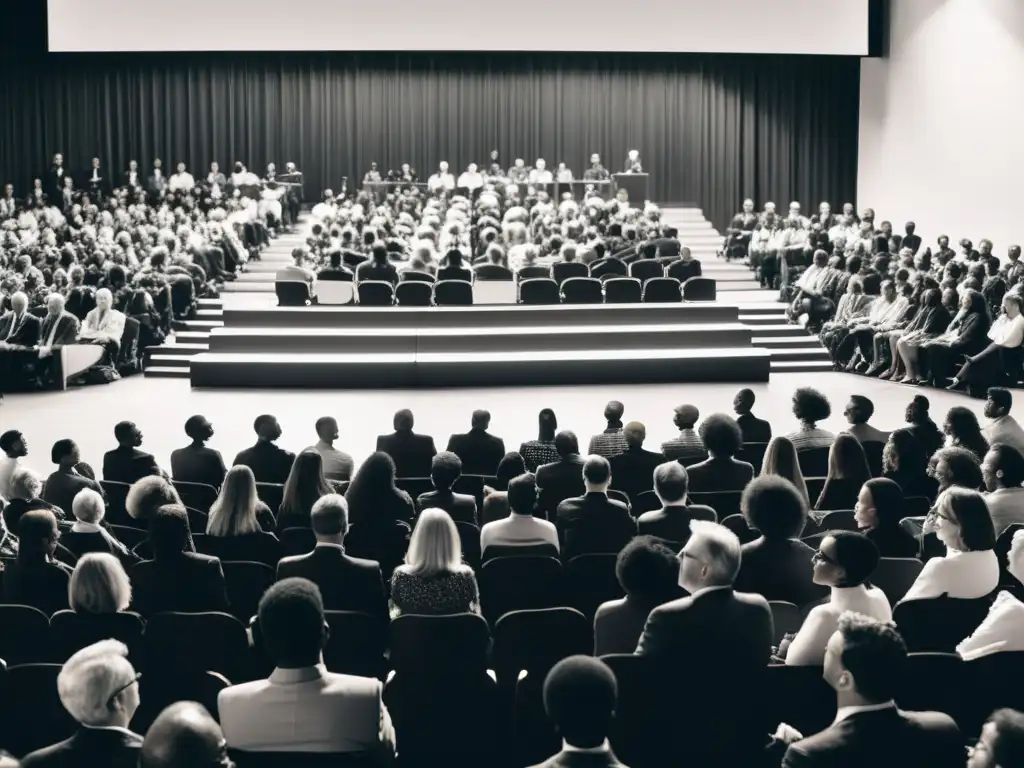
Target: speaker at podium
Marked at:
635, 184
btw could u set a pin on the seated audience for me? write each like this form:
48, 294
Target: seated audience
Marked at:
963, 431
904, 462
1003, 471
520, 528
99, 688
126, 463
858, 412
777, 565
780, 459
922, 427
593, 523
62, 486
410, 452
1002, 428
847, 472
373, 499
196, 463
511, 465
36, 578
434, 581
716, 624
305, 484
671, 523
302, 707
955, 467
879, 509
345, 583
378, 267
147, 495
966, 335
88, 534
723, 439
561, 479
970, 569
754, 430
542, 450
238, 510
687, 447
445, 469
479, 451
298, 271
15, 448
864, 663
337, 464
1007, 332
580, 696
633, 469
611, 441
99, 585
177, 578
1002, 631
25, 488
810, 406
184, 735
930, 321
268, 462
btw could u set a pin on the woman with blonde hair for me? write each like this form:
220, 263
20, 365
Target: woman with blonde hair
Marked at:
306, 483
99, 585
780, 459
239, 526
434, 580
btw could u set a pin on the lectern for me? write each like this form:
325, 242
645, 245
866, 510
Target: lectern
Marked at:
635, 185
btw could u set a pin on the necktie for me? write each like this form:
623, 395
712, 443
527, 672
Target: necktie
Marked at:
15, 322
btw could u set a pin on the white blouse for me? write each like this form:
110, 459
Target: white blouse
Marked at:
964, 575
808, 647
1002, 630
1006, 332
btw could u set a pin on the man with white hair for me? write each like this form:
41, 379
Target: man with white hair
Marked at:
104, 325
87, 534
442, 180
519, 173
715, 624
59, 327
633, 164
99, 688
19, 333
472, 179
182, 181
541, 174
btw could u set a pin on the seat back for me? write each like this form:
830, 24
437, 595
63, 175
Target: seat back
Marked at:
532, 273
582, 290
24, 635
839, 520
536, 640
519, 582
413, 275
725, 503
662, 290
622, 290
384, 544
786, 618
645, 269
414, 294
357, 644
700, 289
495, 551
243, 759
813, 463
270, 494
563, 270
70, 632
376, 293
116, 494
753, 454
292, 293
33, 716
453, 293
939, 624
437, 647
647, 501
246, 582
936, 682
738, 524
873, 453
494, 291
538, 290
195, 642
196, 495
469, 538
335, 292
158, 689
297, 541
590, 580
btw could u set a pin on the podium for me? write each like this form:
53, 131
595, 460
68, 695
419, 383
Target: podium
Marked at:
635, 184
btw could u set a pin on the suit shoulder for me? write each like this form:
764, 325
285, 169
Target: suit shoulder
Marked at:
753, 599
242, 691
931, 721
618, 505
292, 561
361, 562
673, 606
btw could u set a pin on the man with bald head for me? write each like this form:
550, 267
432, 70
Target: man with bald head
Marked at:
687, 447
19, 334
633, 469
185, 735
610, 442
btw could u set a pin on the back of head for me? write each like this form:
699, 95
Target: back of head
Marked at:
481, 419
566, 443
847, 460
887, 498
686, 416
810, 405
91, 678
744, 401
1005, 737
862, 409
435, 546
597, 472
873, 653
184, 735
721, 550
647, 570
970, 509
511, 465
87, 506
265, 427
329, 516
147, 495
635, 433
1001, 398
522, 494
169, 532
37, 529
774, 506
857, 555
124, 431
1008, 463
99, 584
445, 469
670, 482
291, 623
721, 435
614, 410
580, 696
403, 420
194, 426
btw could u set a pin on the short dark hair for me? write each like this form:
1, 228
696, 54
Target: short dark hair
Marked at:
262, 421
810, 405
614, 410
596, 470
481, 418
671, 481
445, 469
566, 443
863, 409
34, 528
580, 694
403, 420
1001, 397
976, 529
745, 398
1008, 746
887, 499
648, 569
856, 554
522, 493
874, 653
964, 467
61, 448
291, 621
1010, 462
8, 439
169, 531
193, 425
322, 422
774, 506
721, 435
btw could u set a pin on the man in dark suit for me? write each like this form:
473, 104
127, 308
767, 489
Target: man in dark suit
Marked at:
157, 181
580, 696
133, 179
411, 453
672, 521
668, 243
445, 469
754, 430
346, 583
560, 479
480, 452
126, 463
19, 335
98, 687
864, 660
593, 523
58, 328
633, 469
53, 180
269, 463
196, 463
95, 181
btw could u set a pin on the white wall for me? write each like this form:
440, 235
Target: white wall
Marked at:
942, 121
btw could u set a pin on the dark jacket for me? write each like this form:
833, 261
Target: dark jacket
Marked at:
257, 547
461, 506
27, 332
269, 463
779, 570
187, 582
198, 464
838, 493
346, 583
673, 523
558, 481
894, 541
39, 583
61, 488
479, 451
633, 471
754, 430
68, 327
593, 523
719, 475
89, 748
126, 465
410, 452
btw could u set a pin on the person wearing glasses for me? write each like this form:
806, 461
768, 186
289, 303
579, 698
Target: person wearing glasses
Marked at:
1002, 741
99, 688
185, 735
36, 578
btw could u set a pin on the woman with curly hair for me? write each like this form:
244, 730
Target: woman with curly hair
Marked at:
810, 406
966, 335
963, 431
905, 463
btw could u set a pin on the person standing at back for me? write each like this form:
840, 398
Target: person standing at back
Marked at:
268, 462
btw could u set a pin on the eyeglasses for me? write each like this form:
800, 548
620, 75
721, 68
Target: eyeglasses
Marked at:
122, 689
821, 557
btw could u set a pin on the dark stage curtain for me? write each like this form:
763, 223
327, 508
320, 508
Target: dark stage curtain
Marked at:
711, 130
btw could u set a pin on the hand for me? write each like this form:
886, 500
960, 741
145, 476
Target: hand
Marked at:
45, 352
787, 734
787, 640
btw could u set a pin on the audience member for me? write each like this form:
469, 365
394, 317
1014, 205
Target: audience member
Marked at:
99, 688
593, 523
687, 447
99, 585
337, 464
611, 441
126, 463
780, 459
184, 735
268, 462
25, 488
810, 406
62, 486
36, 578
445, 470
633, 469
511, 465
478, 451
88, 533
302, 707
921, 425
1007, 332
238, 511
305, 484
879, 509
721, 472
561, 479
520, 528
374, 501
15, 448
1002, 630
904, 462
410, 452
195, 463
955, 467
754, 430
847, 472
148, 495
1003, 472
963, 431
542, 450
858, 412
1002, 428
671, 523
434, 580
1002, 739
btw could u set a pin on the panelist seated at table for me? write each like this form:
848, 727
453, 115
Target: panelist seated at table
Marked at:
59, 328
19, 335
443, 179
471, 179
540, 174
104, 325
596, 171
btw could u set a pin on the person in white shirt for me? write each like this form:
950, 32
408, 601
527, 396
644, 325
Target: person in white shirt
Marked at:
540, 174
1003, 629
298, 271
520, 528
1003, 471
563, 175
14, 446
844, 562
1007, 332
443, 179
471, 179
104, 325
337, 464
326, 208
970, 568
182, 181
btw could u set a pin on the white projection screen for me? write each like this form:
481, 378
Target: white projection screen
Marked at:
823, 27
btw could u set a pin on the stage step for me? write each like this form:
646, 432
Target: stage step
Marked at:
814, 352
191, 336
169, 361
210, 314
801, 366
185, 349
210, 304
776, 330
197, 325
163, 372
791, 342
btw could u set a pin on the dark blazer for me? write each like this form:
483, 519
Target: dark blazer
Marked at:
346, 583
609, 266
187, 582
480, 452
720, 626
54, 183
887, 738
461, 506
79, 543
40, 584
27, 332
410, 452
719, 475
779, 570
269, 464
558, 481
126, 465
256, 547
582, 760
89, 748
673, 523
370, 270
198, 464
593, 523
684, 270
633, 471
68, 327
455, 273
618, 624
667, 246
754, 430
140, 179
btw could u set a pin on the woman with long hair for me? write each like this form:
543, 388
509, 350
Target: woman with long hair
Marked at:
963, 431
305, 485
780, 459
904, 462
434, 580
878, 513
238, 510
931, 319
847, 472
373, 498
542, 450
966, 335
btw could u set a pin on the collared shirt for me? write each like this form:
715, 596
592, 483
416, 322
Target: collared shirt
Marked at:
1006, 506
80, 526
1006, 332
338, 465
705, 590
331, 544
116, 728
599, 750
844, 712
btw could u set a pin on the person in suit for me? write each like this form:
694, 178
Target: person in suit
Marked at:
195, 463
88, 533
95, 181
177, 578
611, 441
58, 329
580, 695
593, 523
754, 430
19, 335
36, 578
687, 447
268, 462
184, 735
302, 707
722, 438
1003, 428
715, 624
345, 583
99, 688
132, 179
445, 469
157, 182
411, 453
671, 523
633, 469
53, 180
858, 412
479, 451
558, 480
863, 664
126, 463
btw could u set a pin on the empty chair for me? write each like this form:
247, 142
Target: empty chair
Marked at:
589, 581
130, 537
196, 495
518, 583
539, 290
159, 689
813, 463
414, 275
469, 537
936, 682
536, 640
725, 503
510, 550
582, 290
257, 547
873, 452
33, 716
662, 290
246, 582
414, 294
647, 501
646, 269
116, 494
357, 644
292, 293
71, 632
753, 454
998, 681
563, 270
699, 289
622, 290
24, 635
738, 524
414, 486
815, 485
453, 293
195, 642
532, 273
785, 617
800, 697
376, 293
335, 292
